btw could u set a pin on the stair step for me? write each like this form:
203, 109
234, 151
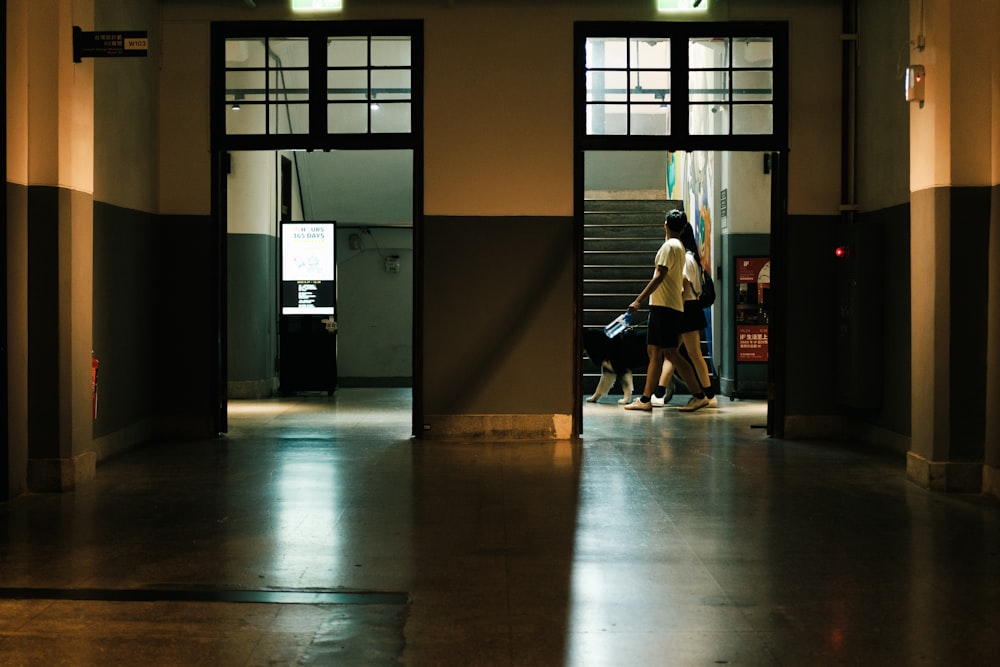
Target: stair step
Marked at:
659, 205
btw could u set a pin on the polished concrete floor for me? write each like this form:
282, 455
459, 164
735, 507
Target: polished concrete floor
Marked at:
318, 533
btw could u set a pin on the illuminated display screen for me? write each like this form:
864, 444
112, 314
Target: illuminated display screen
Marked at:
307, 268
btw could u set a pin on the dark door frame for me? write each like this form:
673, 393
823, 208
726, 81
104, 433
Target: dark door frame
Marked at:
682, 140
316, 139
4, 370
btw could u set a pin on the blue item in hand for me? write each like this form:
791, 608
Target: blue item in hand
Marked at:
618, 325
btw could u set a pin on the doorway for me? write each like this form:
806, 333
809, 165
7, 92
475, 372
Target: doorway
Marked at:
339, 104
647, 94
626, 197
365, 199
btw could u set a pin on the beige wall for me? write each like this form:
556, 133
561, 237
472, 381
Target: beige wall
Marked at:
126, 111
883, 141
185, 161
498, 129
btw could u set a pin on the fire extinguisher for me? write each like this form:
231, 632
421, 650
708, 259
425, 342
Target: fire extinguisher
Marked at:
93, 383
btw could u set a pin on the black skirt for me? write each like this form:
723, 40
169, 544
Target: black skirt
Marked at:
694, 317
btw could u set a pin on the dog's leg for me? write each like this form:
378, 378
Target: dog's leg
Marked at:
626, 383
604, 385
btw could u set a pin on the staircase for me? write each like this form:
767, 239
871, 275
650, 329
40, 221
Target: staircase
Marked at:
620, 239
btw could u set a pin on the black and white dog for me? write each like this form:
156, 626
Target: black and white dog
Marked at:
617, 357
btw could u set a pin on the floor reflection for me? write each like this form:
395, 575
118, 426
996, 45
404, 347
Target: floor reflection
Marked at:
656, 539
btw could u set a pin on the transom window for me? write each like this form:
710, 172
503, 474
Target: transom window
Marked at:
368, 84
315, 84
267, 85
702, 85
731, 85
628, 86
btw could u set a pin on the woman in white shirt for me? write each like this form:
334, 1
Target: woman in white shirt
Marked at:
693, 323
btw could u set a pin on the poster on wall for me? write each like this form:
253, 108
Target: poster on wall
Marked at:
307, 268
753, 288
700, 184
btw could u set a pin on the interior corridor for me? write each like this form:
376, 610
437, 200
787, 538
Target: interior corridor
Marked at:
317, 532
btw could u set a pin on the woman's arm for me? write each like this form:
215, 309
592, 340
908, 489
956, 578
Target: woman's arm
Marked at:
659, 273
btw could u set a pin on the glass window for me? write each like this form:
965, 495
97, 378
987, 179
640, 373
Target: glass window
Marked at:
753, 119
708, 86
246, 84
245, 118
708, 52
390, 117
649, 119
391, 84
245, 53
347, 85
290, 52
650, 86
674, 84
391, 51
376, 69
708, 119
651, 53
755, 52
731, 85
288, 85
604, 52
347, 52
753, 86
267, 85
606, 86
347, 118
315, 78
288, 118
635, 73
607, 119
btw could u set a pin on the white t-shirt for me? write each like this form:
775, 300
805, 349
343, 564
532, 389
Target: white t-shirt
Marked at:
668, 292
692, 271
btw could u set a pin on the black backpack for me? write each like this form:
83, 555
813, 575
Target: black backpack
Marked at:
707, 296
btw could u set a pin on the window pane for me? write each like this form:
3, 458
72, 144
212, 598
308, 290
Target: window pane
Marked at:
392, 84
606, 119
390, 51
650, 119
248, 119
712, 119
753, 52
650, 86
288, 85
753, 86
347, 118
289, 51
606, 52
347, 85
706, 52
391, 117
708, 86
288, 118
606, 86
245, 52
244, 85
753, 119
649, 53
347, 52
